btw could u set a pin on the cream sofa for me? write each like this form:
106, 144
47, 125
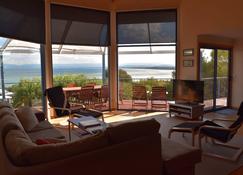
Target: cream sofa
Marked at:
131, 148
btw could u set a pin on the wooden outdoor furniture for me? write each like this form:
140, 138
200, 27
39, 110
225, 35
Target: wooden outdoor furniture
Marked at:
72, 93
158, 97
86, 96
139, 96
59, 102
104, 95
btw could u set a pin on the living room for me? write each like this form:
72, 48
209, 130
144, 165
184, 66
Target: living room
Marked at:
200, 27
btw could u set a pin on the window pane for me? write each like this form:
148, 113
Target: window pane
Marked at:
22, 74
148, 66
79, 66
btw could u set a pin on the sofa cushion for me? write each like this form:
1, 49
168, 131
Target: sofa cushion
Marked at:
28, 153
46, 133
5, 105
129, 131
9, 120
174, 155
42, 126
27, 118
16, 144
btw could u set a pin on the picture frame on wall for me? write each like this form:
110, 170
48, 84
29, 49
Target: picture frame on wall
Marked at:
188, 63
188, 52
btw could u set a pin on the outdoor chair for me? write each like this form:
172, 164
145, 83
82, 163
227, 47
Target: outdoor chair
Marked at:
158, 97
139, 96
62, 107
87, 96
104, 93
101, 97
221, 135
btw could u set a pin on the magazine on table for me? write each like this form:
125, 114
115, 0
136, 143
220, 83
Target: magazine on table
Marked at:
87, 122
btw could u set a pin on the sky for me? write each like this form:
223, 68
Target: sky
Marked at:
124, 59
149, 59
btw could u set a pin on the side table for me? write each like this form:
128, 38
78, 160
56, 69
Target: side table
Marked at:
88, 130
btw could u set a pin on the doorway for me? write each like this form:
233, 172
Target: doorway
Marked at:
215, 72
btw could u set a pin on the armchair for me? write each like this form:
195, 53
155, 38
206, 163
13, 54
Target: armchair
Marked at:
62, 107
221, 135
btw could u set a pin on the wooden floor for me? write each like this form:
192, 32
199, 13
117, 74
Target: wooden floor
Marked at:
126, 116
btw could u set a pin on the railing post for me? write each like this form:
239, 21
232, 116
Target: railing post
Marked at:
2, 77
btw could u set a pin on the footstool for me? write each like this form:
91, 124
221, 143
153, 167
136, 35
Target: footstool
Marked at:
187, 127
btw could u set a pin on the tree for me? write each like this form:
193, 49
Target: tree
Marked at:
28, 91
25, 92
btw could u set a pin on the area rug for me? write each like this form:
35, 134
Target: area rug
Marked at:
208, 166
227, 112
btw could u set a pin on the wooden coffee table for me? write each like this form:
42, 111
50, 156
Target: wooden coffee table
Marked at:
87, 130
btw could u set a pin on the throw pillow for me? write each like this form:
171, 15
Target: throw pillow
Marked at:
27, 118
42, 142
49, 141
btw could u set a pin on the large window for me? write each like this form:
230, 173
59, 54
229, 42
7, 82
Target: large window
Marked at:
146, 53
80, 40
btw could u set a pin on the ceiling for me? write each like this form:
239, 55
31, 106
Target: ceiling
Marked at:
122, 5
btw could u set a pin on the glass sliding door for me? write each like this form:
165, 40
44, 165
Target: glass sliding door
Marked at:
207, 75
214, 71
222, 78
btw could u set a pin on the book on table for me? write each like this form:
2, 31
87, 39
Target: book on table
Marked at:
87, 122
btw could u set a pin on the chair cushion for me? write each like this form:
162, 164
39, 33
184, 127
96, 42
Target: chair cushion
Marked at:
221, 135
129, 131
57, 98
27, 118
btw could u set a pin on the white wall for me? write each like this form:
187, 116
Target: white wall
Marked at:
220, 18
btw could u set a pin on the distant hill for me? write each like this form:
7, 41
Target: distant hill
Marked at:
142, 66
70, 66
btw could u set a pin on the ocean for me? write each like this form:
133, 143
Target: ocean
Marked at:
13, 74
